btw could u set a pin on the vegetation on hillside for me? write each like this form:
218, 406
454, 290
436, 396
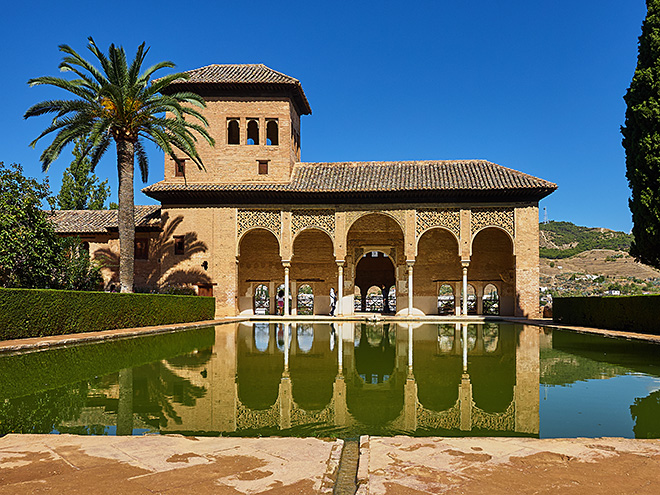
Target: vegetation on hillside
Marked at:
572, 239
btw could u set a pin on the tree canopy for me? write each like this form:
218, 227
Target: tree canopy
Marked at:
81, 189
32, 255
115, 102
641, 141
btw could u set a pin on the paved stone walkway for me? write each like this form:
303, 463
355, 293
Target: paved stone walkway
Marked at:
507, 466
172, 464
69, 464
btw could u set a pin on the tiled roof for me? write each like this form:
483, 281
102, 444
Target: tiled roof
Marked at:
101, 221
245, 76
357, 181
239, 73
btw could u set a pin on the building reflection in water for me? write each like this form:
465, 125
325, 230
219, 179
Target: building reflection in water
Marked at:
344, 380
365, 378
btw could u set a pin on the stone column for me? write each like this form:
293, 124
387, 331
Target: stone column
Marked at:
410, 264
340, 289
287, 267
465, 264
479, 293
294, 298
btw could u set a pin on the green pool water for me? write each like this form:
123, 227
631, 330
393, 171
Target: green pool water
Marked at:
344, 380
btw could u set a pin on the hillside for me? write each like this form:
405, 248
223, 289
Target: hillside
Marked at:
564, 239
587, 261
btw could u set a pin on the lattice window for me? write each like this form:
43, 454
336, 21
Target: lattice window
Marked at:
449, 219
266, 219
492, 217
320, 219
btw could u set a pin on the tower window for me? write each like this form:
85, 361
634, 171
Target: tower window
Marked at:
272, 132
179, 167
179, 244
263, 167
141, 249
233, 131
253, 132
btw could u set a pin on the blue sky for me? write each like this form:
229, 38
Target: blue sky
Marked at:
534, 86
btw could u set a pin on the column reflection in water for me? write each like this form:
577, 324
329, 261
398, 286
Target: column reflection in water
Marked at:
125, 403
387, 379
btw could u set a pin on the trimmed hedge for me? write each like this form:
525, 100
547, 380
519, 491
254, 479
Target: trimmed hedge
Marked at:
40, 312
639, 314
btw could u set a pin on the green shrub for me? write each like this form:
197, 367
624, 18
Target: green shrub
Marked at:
40, 312
628, 313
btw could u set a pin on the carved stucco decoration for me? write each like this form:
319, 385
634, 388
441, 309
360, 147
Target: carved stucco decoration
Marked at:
449, 219
266, 219
492, 217
398, 215
320, 219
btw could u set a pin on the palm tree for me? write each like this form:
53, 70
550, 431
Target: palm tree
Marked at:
118, 103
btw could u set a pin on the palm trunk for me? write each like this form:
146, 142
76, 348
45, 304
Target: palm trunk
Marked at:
125, 166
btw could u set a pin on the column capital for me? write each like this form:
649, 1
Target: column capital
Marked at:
286, 264
410, 263
465, 263
340, 262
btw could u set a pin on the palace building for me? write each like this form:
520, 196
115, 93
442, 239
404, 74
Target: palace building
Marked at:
410, 237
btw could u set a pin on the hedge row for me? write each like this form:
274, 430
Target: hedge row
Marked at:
628, 313
40, 312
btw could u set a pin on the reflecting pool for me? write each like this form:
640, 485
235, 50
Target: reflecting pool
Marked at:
344, 379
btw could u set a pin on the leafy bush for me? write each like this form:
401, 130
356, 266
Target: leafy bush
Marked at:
32, 255
628, 313
40, 312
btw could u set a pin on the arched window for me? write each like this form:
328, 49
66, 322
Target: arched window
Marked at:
375, 299
305, 300
491, 300
233, 131
357, 299
446, 300
272, 133
391, 299
253, 132
261, 300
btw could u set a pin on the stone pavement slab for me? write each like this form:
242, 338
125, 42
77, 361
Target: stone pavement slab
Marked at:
167, 464
406, 466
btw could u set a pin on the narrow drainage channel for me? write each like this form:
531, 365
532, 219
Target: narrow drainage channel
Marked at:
346, 483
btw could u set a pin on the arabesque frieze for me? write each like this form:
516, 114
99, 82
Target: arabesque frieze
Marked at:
492, 217
449, 219
311, 218
266, 219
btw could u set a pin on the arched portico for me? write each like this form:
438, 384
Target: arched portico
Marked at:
259, 263
492, 262
438, 263
313, 263
375, 256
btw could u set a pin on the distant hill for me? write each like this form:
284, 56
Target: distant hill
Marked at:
564, 239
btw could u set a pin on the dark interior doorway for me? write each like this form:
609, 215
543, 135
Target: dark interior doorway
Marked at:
375, 268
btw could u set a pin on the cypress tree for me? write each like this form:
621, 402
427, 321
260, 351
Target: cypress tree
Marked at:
641, 140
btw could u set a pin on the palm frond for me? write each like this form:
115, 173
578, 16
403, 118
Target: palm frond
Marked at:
143, 162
